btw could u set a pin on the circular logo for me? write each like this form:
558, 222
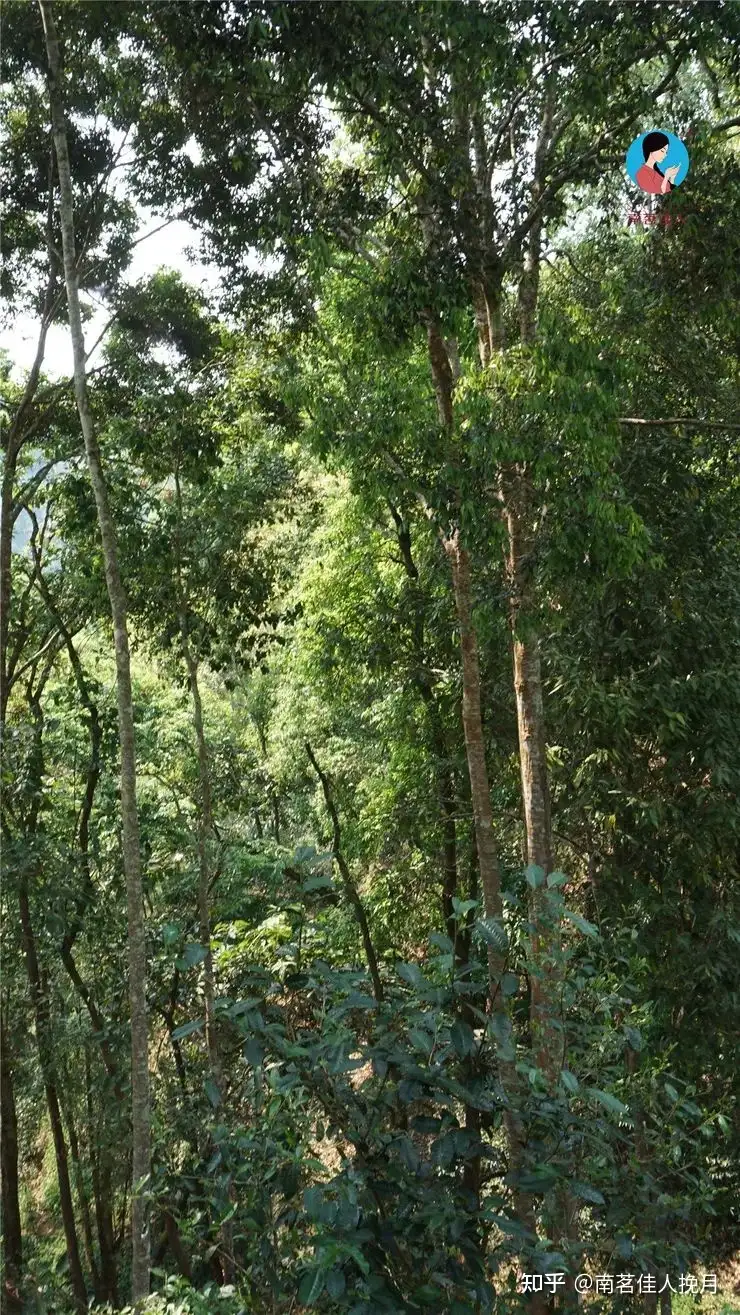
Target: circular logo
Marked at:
657, 161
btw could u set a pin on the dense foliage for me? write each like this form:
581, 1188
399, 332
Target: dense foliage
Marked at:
426, 530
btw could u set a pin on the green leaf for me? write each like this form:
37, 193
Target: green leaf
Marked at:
509, 984
411, 973
253, 1052
441, 942
461, 1036
243, 1007
569, 1080
185, 1029
671, 1092
587, 1193
427, 1295
463, 906
212, 1092
422, 1123
494, 933
510, 1226
535, 876
317, 883
313, 1202
311, 1286
581, 923
335, 1282
556, 879
194, 954
634, 1038
606, 1099
356, 1000
500, 1028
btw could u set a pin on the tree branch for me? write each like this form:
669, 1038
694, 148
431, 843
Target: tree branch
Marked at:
349, 885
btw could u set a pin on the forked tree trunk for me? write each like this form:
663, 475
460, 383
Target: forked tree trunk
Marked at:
140, 1106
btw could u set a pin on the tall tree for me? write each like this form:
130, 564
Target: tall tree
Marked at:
140, 1099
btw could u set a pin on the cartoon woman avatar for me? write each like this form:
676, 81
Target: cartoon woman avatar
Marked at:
650, 176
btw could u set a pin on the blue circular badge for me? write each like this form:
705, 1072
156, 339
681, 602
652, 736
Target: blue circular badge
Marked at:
657, 161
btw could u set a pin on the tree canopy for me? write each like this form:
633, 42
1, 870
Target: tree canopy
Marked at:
369, 657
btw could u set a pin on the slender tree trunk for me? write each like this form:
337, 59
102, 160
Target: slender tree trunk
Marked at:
14, 441
140, 1100
446, 793
443, 771
349, 885
519, 502
546, 1039
100, 1174
83, 1204
6, 576
488, 865
205, 833
10, 1296
39, 1000
174, 1241
86, 895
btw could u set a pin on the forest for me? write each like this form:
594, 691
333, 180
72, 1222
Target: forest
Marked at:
370, 658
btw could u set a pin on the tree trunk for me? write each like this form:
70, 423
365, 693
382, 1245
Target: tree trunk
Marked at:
83, 1204
14, 442
349, 885
488, 865
39, 1000
100, 1172
546, 1040
10, 1296
205, 833
442, 768
141, 1129
6, 576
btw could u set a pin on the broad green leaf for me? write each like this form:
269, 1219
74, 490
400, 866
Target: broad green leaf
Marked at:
581, 923
606, 1099
194, 954
461, 1036
311, 1286
587, 1193
493, 931
212, 1092
535, 876
185, 1029
556, 879
569, 1080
